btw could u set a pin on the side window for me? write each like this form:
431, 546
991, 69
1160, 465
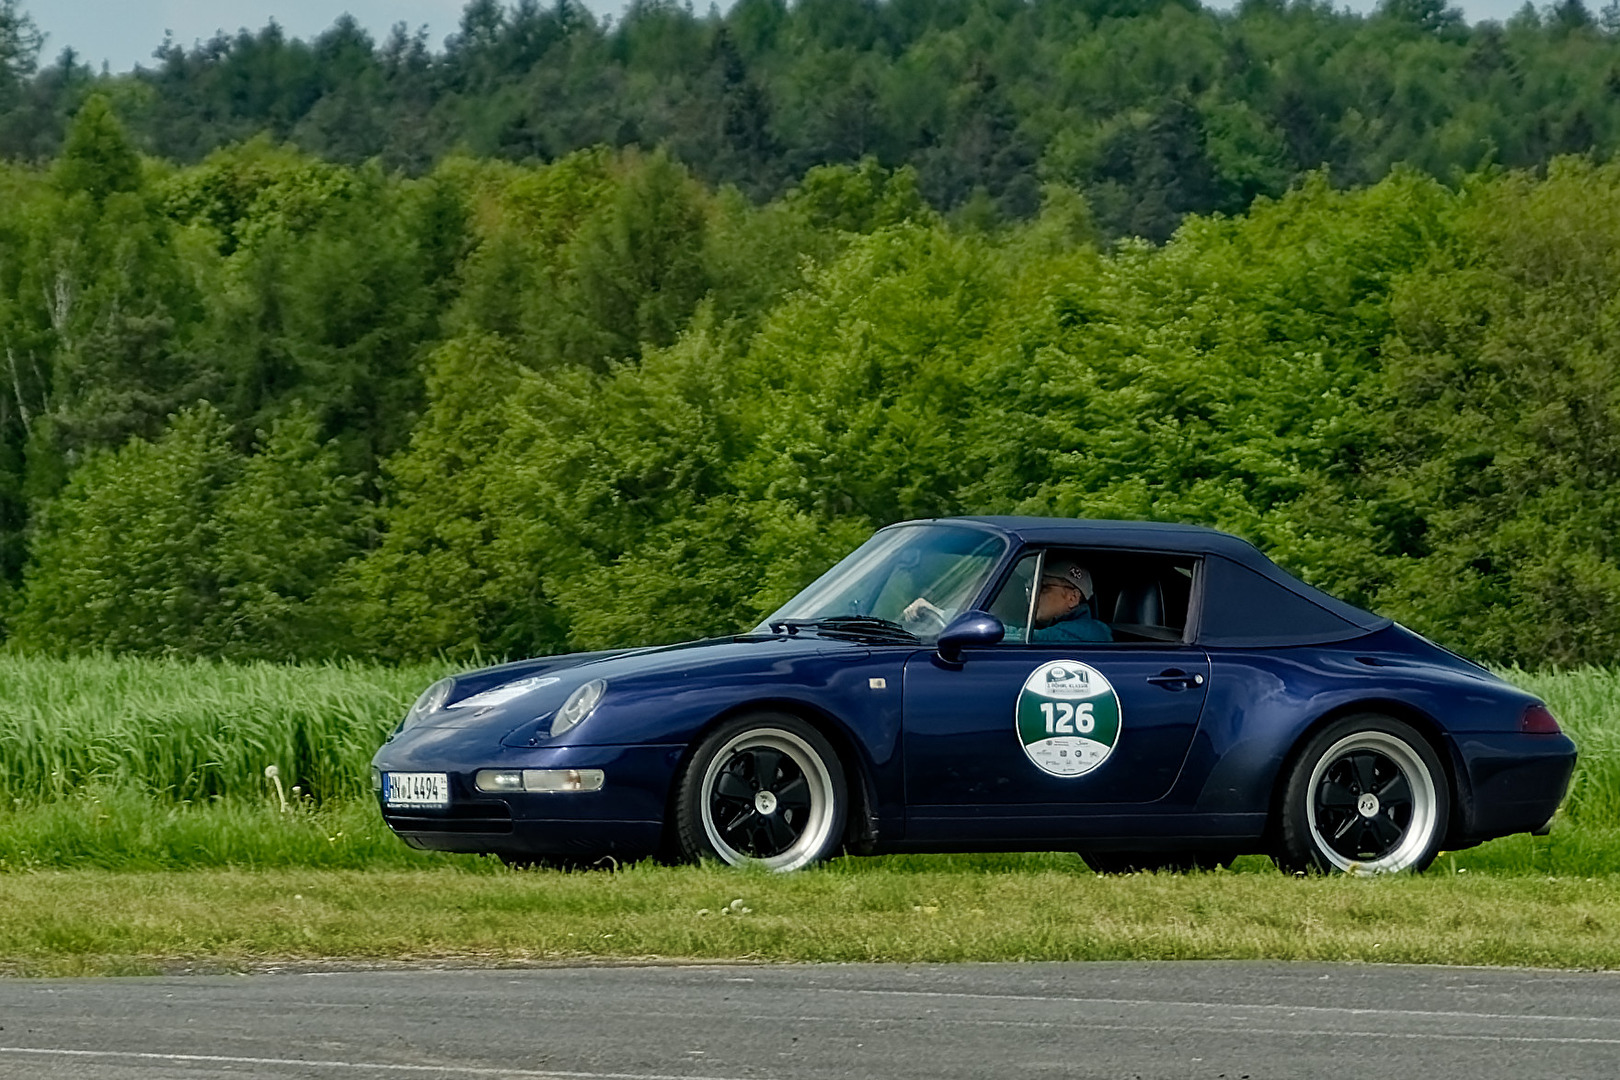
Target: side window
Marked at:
1012, 603
1097, 596
1150, 598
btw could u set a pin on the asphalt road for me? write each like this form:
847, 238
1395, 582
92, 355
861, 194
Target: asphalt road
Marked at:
1172, 1020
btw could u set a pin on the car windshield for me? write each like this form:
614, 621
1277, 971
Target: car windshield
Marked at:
918, 577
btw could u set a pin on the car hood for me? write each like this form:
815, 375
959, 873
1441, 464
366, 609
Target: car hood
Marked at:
555, 677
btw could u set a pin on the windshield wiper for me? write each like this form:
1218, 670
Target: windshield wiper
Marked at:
868, 629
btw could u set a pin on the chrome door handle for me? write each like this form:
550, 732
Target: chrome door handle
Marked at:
1176, 679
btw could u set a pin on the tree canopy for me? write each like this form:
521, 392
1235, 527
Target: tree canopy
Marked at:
580, 333
269, 405
1154, 109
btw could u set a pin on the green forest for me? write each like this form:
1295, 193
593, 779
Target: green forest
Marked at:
331, 349
1153, 109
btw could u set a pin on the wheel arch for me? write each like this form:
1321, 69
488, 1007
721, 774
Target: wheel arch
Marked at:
860, 825
1422, 722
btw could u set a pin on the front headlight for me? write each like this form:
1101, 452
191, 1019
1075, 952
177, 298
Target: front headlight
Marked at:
431, 701
580, 704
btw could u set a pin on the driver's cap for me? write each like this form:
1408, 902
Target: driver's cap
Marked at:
1070, 573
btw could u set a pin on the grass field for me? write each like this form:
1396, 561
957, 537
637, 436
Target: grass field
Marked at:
196, 731
138, 832
1040, 908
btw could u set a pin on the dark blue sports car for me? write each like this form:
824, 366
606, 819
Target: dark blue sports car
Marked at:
1148, 695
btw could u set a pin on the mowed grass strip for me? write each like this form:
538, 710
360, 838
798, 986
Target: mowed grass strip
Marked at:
117, 829
97, 922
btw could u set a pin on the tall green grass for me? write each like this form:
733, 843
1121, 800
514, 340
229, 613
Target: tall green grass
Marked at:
1586, 702
153, 765
193, 731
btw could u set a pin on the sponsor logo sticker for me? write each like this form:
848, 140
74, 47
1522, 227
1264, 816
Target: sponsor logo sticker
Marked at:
1067, 718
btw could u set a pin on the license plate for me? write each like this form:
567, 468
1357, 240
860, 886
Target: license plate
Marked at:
416, 789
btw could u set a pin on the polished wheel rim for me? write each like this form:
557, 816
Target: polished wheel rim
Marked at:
768, 800
1372, 805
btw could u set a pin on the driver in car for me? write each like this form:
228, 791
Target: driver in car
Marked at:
1063, 608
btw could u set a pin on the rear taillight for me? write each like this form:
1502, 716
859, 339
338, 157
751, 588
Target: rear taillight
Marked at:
1538, 720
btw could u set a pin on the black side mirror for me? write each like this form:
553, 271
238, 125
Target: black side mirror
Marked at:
966, 631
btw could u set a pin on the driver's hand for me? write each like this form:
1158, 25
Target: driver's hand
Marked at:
917, 607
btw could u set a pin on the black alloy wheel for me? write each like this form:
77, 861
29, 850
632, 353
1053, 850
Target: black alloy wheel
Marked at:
765, 790
1366, 795
1363, 805
760, 801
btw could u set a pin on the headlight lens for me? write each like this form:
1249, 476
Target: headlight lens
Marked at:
431, 701
580, 704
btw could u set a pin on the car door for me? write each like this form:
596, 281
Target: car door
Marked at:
1028, 740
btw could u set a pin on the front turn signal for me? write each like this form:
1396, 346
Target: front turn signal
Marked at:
506, 781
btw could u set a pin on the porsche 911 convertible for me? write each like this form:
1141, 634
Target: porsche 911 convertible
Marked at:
1148, 695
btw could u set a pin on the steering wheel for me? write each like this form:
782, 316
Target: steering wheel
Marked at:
924, 617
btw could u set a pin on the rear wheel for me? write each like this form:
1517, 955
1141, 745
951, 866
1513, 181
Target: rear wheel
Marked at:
1368, 795
765, 789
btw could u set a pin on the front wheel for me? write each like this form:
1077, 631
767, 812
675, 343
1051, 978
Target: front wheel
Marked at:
1368, 795
766, 790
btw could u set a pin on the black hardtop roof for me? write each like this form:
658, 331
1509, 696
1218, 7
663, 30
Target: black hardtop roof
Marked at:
1159, 535
1173, 537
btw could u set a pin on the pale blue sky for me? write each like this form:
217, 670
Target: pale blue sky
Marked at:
124, 32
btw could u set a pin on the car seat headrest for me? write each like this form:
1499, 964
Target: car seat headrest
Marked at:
1140, 603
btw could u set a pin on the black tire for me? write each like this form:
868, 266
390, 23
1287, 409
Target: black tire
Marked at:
765, 789
1366, 795
1176, 862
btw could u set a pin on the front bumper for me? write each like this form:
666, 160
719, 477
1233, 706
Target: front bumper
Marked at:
624, 819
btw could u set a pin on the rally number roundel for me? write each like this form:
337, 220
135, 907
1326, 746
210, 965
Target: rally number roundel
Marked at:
1068, 718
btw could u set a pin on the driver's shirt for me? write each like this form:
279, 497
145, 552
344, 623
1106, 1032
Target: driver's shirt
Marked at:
1077, 626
